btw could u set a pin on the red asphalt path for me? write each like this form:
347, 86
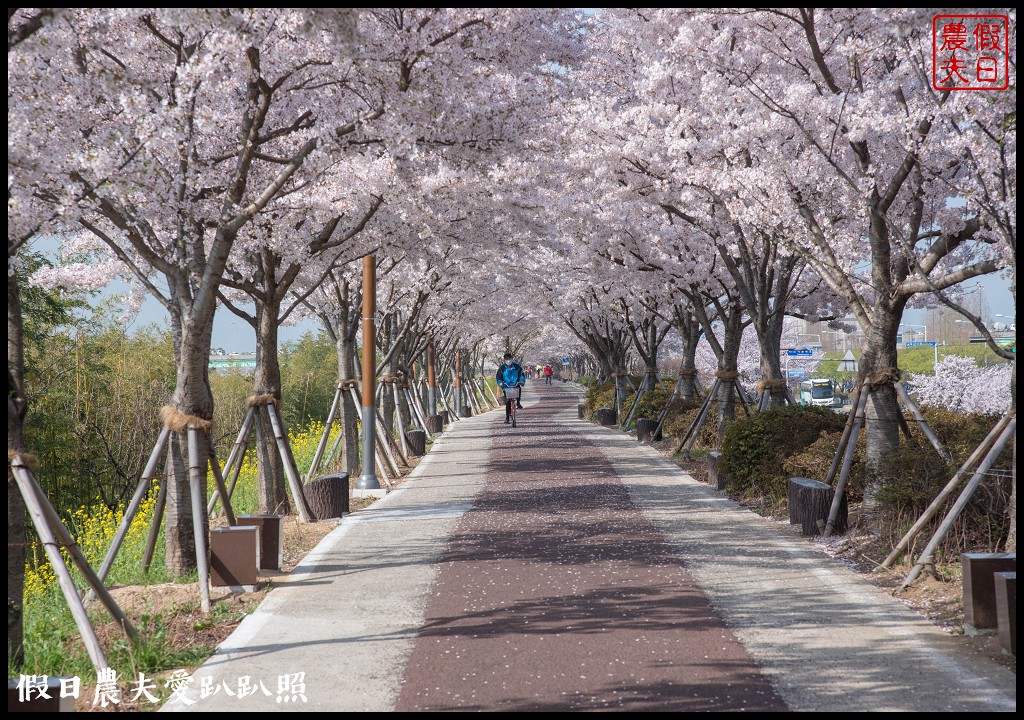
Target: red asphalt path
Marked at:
556, 593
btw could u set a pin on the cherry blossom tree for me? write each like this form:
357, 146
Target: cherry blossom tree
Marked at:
198, 120
856, 151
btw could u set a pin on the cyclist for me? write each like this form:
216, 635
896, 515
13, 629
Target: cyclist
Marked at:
510, 374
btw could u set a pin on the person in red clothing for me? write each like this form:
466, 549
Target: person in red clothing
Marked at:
548, 372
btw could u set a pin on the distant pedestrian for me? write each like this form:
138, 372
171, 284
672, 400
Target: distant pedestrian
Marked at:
548, 372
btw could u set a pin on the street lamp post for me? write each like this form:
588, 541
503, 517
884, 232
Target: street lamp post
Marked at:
368, 479
914, 333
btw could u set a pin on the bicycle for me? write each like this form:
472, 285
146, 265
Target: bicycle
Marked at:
511, 400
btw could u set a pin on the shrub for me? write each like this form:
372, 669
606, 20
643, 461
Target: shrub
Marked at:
754, 449
652, 403
682, 415
598, 395
815, 460
960, 432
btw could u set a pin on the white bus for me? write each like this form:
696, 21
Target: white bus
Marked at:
817, 391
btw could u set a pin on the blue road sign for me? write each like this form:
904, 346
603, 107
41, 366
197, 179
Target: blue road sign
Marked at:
930, 343
565, 361
796, 373
805, 352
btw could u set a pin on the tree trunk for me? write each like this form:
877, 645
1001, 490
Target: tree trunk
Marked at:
689, 334
881, 431
192, 396
180, 556
387, 404
272, 490
17, 406
769, 343
349, 418
728, 363
609, 345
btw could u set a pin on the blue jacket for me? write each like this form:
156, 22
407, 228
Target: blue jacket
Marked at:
510, 375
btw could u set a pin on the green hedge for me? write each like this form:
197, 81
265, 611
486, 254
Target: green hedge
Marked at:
754, 449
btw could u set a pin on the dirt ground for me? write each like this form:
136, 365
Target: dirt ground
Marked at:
939, 599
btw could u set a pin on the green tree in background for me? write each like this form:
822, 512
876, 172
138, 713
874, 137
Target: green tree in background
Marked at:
309, 378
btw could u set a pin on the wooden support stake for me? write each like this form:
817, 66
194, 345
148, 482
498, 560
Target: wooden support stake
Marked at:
385, 436
851, 448
237, 454
928, 554
747, 402
901, 420
289, 464
78, 557
698, 421
67, 586
198, 526
482, 403
158, 514
494, 397
619, 398
841, 448
333, 452
318, 455
382, 470
933, 508
668, 406
229, 513
925, 427
444, 399
236, 467
384, 458
699, 387
474, 394
467, 393
637, 396
401, 422
481, 385
417, 412
789, 397
715, 389
145, 482
384, 445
